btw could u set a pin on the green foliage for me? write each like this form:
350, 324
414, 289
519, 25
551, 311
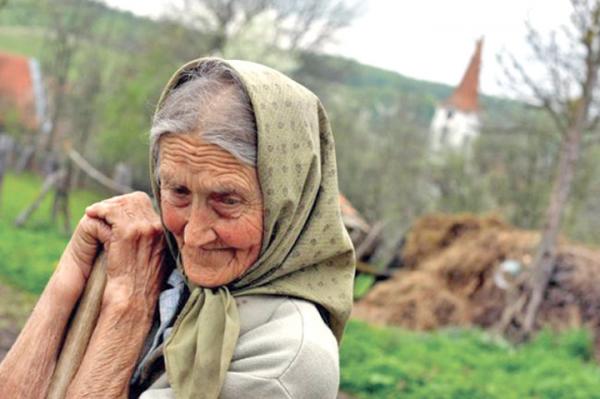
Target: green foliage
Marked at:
390, 363
20, 40
518, 165
380, 120
460, 186
362, 284
582, 215
28, 255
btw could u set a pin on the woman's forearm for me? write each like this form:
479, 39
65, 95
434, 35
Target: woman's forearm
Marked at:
27, 368
113, 350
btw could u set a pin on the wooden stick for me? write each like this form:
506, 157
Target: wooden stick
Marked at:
80, 331
50, 182
97, 175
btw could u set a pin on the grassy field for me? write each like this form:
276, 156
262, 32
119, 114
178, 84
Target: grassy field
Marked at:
21, 40
376, 362
28, 255
455, 364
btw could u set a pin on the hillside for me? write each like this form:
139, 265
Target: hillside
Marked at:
380, 120
22, 27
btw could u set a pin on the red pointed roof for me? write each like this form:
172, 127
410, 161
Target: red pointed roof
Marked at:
16, 88
465, 96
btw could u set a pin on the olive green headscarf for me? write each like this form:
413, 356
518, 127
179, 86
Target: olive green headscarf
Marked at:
306, 252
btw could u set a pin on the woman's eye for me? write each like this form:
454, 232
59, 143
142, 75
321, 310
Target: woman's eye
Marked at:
180, 191
230, 201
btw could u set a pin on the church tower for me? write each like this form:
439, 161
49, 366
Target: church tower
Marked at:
455, 123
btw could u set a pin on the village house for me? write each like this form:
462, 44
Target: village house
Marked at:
22, 99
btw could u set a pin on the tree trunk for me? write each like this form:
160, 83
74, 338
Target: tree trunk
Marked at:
545, 260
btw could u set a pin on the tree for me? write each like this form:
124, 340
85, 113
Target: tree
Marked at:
567, 93
70, 21
306, 24
515, 157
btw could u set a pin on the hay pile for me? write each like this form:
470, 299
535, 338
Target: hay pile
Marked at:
449, 278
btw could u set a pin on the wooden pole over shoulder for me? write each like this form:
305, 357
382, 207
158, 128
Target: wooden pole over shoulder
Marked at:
80, 331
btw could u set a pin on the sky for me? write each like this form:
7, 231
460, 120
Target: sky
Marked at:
431, 39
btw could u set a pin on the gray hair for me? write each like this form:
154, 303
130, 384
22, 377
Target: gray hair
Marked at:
211, 100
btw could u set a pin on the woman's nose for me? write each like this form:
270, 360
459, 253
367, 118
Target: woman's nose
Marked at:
198, 230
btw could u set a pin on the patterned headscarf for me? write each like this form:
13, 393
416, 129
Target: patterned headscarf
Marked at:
306, 251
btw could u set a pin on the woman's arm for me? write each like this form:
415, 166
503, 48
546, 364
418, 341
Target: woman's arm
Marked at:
131, 233
134, 276
112, 352
27, 368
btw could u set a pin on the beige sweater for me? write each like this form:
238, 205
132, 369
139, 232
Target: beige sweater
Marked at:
284, 350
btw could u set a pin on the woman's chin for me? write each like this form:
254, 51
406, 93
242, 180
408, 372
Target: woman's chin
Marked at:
202, 280
207, 278
221, 271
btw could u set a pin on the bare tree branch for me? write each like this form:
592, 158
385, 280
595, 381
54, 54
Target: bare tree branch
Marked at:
592, 140
546, 100
308, 24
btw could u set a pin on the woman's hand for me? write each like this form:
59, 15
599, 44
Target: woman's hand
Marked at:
134, 248
131, 233
78, 257
134, 251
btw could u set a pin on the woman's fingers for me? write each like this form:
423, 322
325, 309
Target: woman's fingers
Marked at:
131, 232
103, 210
83, 247
123, 208
95, 230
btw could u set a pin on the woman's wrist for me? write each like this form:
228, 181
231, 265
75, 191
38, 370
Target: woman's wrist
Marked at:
67, 283
121, 297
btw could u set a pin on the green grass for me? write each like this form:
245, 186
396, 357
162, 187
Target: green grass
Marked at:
24, 41
28, 255
392, 363
362, 284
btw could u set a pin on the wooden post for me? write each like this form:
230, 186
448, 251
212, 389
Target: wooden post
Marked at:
80, 331
25, 158
6, 145
61, 197
123, 175
48, 184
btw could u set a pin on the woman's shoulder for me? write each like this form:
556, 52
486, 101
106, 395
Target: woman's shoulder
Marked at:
285, 340
284, 350
269, 311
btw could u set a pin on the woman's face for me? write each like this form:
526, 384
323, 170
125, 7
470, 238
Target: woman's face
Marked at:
212, 204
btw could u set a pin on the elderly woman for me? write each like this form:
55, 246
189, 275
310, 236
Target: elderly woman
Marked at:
244, 176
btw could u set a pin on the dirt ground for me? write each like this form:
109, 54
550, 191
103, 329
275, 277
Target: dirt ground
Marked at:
15, 307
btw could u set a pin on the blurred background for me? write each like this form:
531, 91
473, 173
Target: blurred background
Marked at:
467, 147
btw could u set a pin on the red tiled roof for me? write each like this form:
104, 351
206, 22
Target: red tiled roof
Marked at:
465, 96
16, 88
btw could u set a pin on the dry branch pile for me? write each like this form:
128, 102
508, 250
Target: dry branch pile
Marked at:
449, 279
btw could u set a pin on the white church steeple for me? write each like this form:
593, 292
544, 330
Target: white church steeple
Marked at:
455, 123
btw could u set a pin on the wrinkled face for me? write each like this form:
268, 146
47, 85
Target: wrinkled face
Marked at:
212, 204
